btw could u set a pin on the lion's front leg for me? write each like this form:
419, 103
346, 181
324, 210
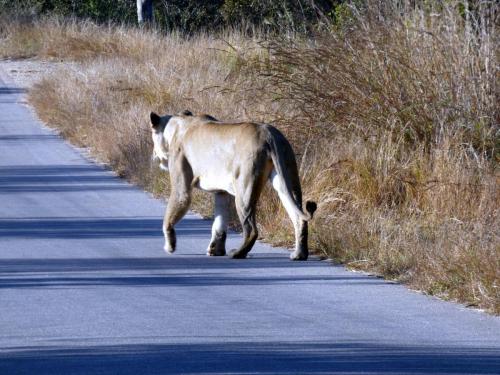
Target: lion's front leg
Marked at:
178, 205
181, 178
217, 246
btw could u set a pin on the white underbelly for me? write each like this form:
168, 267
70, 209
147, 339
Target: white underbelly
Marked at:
213, 184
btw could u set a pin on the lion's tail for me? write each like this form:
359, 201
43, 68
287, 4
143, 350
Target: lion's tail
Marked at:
288, 182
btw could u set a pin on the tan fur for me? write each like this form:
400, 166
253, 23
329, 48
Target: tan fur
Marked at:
228, 158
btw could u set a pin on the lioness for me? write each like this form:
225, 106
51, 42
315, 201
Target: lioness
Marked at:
227, 158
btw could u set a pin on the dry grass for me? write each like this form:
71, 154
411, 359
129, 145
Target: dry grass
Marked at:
70, 40
407, 176
397, 133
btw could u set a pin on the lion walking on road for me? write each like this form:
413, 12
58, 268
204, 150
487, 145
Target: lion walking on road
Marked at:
228, 159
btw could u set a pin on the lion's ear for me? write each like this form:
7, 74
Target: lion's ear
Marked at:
155, 119
187, 112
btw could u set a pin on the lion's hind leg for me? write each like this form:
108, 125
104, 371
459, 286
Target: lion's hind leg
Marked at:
249, 188
217, 246
246, 214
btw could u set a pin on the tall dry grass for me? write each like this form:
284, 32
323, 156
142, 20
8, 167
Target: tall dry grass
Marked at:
407, 179
394, 118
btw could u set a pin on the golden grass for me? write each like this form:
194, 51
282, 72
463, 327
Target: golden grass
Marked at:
395, 134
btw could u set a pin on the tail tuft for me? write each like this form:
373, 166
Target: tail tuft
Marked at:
311, 207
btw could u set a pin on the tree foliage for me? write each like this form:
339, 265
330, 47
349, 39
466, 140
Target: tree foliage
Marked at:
184, 15
97, 10
189, 15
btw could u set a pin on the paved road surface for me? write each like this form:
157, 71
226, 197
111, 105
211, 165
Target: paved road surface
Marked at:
85, 288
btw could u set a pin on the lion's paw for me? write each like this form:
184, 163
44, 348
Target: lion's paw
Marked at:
216, 253
168, 249
236, 254
298, 256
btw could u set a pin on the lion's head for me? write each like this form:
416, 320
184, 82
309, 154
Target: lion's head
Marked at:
160, 145
158, 125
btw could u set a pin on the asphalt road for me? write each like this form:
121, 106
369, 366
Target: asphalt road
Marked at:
85, 287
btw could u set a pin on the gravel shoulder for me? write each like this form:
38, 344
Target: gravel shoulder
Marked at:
25, 73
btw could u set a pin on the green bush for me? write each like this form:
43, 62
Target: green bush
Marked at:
267, 13
188, 16
120, 11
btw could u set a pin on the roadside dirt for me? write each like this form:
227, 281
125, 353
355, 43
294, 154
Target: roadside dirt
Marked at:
25, 73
